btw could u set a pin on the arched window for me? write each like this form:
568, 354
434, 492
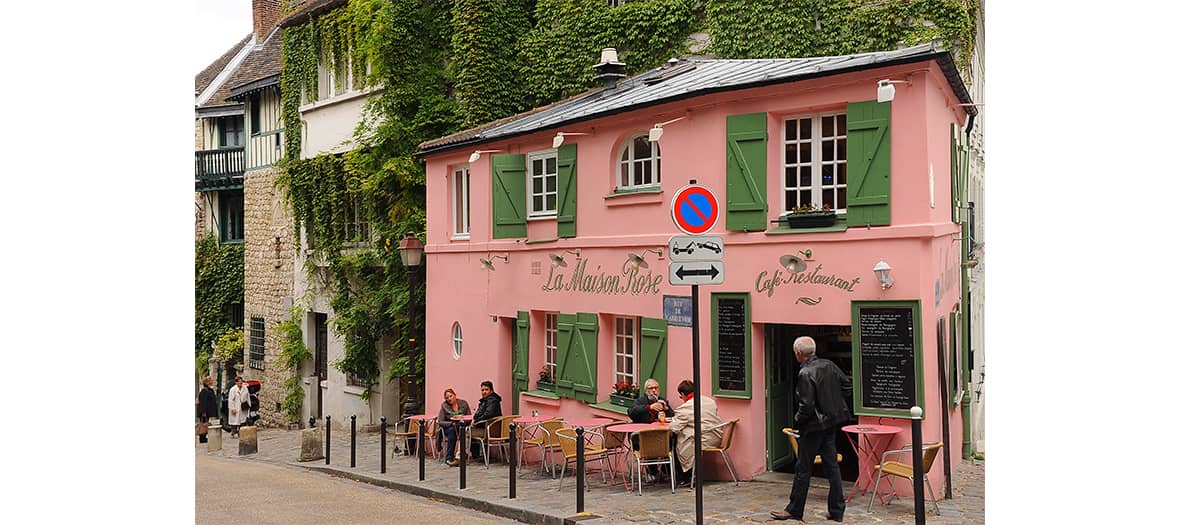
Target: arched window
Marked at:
457, 340
639, 164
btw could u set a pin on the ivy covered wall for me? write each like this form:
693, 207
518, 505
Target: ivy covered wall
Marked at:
445, 65
219, 284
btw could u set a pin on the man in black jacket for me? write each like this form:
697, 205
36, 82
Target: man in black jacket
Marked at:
646, 409
821, 391
489, 407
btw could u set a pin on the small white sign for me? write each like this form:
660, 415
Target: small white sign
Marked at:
686, 248
696, 272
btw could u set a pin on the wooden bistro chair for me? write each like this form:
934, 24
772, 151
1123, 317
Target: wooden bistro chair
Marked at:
496, 436
903, 470
726, 438
793, 437
654, 449
568, 439
544, 437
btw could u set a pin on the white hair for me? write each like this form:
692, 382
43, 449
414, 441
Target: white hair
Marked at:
805, 346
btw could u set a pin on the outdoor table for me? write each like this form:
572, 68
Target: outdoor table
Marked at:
589, 423
867, 450
630, 429
530, 420
421, 417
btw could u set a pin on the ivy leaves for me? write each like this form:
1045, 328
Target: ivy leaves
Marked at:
219, 284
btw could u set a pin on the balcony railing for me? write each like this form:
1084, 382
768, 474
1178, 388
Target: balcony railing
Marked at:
220, 167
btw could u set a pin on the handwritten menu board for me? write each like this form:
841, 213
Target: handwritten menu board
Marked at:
886, 356
731, 345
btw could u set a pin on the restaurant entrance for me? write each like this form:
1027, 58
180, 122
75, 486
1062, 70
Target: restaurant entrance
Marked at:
833, 342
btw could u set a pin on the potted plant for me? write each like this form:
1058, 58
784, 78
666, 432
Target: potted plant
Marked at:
545, 380
809, 216
624, 394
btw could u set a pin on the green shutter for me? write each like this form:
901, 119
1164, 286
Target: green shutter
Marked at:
868, 163
520, 356
653, 351
567, 190
508, 197
745, 172
577, 356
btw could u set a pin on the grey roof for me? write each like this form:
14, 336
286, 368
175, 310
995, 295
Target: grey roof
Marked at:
692, 77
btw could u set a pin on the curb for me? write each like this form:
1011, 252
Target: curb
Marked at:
496, 509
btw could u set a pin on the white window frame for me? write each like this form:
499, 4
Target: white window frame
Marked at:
551, 343
653, 162
543, 156
816, 164
626, 350
461, 202
329, 89
456, 340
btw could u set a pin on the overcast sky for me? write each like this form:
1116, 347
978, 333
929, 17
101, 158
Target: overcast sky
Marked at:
218, 25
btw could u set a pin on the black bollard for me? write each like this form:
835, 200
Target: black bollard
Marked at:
352, 445
511, 460
919, 493
382, 444
328, 440
581, 470
421, 453
462, 455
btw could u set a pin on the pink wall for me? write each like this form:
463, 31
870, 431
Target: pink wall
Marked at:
919, 244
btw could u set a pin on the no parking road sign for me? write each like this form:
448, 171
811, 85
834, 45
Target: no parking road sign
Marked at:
694, 209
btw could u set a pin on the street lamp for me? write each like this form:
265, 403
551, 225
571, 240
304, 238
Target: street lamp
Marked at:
410, 250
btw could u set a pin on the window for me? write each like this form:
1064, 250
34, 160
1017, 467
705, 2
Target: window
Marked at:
232, 217
237, 315
460, 202
639, 164
542, 176
551, 344
456, 340
229, 131
814, 162
257, 342
255, 114
356, 220
625, 350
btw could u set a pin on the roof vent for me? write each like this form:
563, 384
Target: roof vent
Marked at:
609, 69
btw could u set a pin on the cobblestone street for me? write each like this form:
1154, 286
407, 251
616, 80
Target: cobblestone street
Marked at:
539, 500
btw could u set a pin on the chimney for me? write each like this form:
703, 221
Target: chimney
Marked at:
609, 69
266, 17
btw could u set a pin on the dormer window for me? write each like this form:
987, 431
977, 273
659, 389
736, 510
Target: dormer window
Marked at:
639, 164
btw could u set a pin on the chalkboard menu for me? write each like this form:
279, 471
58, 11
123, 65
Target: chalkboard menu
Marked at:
886, 357
731, 345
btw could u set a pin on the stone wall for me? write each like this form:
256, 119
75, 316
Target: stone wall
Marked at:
269, 279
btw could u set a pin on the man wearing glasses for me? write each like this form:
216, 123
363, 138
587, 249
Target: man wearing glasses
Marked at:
647, 409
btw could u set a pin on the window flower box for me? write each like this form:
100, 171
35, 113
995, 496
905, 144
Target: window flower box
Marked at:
808, 216
546, 386
623, 400
624, 394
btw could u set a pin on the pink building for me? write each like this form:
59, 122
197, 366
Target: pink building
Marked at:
534, 247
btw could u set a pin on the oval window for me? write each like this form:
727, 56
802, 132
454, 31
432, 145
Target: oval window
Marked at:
456, 340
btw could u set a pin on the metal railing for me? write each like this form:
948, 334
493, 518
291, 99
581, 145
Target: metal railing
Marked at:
216, 164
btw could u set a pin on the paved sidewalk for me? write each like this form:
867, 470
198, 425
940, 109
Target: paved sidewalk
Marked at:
539, 501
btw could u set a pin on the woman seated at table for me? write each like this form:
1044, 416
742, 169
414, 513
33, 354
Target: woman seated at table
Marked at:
451, 406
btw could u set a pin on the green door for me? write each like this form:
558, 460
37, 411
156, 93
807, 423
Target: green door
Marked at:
780, 391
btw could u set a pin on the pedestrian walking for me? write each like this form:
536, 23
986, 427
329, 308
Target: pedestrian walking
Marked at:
239, 405
206, 408
821, 391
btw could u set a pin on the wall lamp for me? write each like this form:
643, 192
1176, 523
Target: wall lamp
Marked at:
486, 264
885, 89
559, 260
475, 154
792, 263
559, 139
637, 261
882, 270
657, 131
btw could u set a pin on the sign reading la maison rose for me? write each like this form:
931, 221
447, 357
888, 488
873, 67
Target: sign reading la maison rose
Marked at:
766, 282
630, 280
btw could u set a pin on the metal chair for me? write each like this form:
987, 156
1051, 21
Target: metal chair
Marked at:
568, 439
903, 470
793, 437
726, 438
496, 435
411, 432
654, 449
544, 438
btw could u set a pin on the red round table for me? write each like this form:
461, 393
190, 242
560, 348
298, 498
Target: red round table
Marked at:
867, 450
589, 423
529, 420
422, 417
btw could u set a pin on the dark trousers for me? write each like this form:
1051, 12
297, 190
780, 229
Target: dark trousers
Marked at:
450, 435
822, 443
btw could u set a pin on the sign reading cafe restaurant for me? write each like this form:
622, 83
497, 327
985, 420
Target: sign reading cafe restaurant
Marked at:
763, 284
628, 280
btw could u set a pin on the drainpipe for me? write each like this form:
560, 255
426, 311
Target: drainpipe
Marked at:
965, 294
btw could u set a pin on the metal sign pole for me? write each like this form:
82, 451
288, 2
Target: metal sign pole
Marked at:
696, 400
